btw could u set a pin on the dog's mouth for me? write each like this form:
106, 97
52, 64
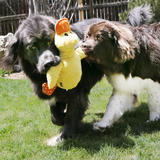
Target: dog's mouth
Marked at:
86, 50
93, 59
90, 55
44, 67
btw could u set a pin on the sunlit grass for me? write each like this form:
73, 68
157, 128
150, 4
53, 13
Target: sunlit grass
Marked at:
25, 124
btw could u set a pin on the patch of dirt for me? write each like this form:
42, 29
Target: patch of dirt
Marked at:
19, 75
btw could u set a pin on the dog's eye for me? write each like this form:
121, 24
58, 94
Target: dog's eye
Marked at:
99, 38
89, 35
33, 48
49, 43
66, 34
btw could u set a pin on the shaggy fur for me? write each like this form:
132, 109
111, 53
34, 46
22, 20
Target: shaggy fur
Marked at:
33, 45
139, 16
130, 57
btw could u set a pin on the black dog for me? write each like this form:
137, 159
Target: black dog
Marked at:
33, 45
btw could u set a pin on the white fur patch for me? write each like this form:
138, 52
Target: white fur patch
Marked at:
53, 141
130, 85
122, 98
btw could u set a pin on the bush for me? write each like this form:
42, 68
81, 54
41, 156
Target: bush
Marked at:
3, 72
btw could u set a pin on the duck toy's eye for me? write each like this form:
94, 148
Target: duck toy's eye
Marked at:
66, 34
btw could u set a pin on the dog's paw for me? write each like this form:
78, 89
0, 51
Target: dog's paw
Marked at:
152, 120
99, 127
154, 116
53, 141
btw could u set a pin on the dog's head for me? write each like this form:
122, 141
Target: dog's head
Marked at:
108, 41
33, 43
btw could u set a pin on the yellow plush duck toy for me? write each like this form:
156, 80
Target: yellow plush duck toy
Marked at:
68, 73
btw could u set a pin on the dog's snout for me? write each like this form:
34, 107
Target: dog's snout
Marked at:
47, 60
87, 48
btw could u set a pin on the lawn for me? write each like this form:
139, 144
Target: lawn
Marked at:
25, 124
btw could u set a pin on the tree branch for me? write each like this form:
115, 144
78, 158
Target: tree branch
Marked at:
58, 8
12, 10
74, 10
67, 8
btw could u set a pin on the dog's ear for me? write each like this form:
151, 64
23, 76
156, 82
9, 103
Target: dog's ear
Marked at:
52, 26
124, 43
11, 53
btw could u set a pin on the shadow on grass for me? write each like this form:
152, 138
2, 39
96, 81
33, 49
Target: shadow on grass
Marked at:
132, 123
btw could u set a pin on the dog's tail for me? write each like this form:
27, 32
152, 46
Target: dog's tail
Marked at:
139, 16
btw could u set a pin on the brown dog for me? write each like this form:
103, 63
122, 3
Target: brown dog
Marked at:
130, 57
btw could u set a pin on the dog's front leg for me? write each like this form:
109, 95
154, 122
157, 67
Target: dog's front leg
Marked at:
153, 90
77, 105
118, 104
57, 113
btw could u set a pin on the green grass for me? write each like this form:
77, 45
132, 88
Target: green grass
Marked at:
25, 124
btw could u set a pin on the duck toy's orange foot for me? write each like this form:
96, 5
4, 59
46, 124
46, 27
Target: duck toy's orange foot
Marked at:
46, 90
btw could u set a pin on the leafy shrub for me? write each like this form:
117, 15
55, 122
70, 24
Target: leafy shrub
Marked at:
3, 72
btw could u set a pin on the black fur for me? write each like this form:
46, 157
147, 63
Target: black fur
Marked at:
32, 46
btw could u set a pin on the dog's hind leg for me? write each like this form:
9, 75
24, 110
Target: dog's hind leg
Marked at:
153, 90
118, 104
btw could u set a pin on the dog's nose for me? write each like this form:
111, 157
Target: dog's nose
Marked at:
49, 64
84, 45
